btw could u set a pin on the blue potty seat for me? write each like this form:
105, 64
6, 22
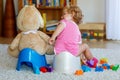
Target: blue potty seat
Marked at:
32, 59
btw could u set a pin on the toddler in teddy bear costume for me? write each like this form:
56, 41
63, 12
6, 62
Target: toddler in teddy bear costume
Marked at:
29, 20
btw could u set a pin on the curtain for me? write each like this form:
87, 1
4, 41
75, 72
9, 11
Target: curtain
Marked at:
113, 19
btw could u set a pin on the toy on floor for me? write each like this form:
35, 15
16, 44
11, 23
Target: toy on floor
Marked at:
99, 69
43, 69
85, 68
106, 66
46, 69
115, 67
92, 63
103, 60
79, 72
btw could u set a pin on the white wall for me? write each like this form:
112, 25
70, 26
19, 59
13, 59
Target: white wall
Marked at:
93, 10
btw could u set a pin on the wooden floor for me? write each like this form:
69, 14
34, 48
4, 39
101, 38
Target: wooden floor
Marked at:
92, 44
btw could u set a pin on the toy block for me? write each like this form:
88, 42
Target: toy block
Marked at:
79, 72
103, 60
115, 67
84, 35
111, 66
85, 68
105, 66
46, 69
91, 32
92, 63
98, 69
95, 34
43, 69
91, 37
50, 69
101, 34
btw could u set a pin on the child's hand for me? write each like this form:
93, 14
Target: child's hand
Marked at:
51, 41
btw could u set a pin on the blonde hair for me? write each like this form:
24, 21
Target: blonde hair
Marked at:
77, 17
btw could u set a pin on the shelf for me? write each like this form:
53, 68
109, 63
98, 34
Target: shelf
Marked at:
93, 31
50, 8
53, 12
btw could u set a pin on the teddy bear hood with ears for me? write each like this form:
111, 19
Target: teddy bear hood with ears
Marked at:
29, 18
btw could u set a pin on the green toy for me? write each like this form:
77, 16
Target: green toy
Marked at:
115, 67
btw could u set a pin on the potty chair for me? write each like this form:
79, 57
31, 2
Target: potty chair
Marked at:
65, 62
32, 59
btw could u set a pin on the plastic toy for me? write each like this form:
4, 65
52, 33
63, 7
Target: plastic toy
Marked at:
99, 69
49, 69
92, 63
91, 32
43, 69
101, 34
46, 69
106, 66
79, 72
111, 66
85, 68
84, 35
95, 34
115, 67
65, 62
103, 60
91, 37
32, 59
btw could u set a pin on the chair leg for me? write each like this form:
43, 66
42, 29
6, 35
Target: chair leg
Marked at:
36, 69
18, 66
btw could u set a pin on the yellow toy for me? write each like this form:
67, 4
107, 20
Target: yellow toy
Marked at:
103, 60
29, 20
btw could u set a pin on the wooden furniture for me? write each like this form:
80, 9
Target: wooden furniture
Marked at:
1, 14
9, 20
93, 31
52, 12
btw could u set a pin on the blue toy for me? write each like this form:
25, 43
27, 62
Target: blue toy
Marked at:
84, 35
32, 59
85, 68
107, 66
99, 69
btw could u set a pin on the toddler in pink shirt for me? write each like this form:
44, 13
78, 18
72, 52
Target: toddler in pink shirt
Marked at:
67, 36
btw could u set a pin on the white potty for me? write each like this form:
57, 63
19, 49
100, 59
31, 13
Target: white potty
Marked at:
65, 62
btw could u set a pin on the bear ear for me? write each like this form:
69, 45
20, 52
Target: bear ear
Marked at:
29, 18
40, 18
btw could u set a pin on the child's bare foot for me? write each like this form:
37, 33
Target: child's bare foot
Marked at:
83, 59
